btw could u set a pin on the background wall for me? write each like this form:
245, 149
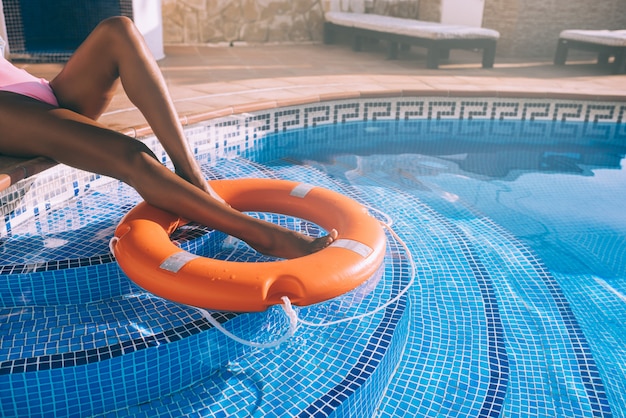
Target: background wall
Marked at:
258, 21
527, 27
253, 21
532, 27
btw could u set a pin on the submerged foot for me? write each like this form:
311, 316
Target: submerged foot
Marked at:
291, 244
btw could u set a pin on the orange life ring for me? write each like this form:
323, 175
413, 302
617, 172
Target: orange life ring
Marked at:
146, 254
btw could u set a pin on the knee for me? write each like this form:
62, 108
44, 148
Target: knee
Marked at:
118, 27
117, 24
138, 160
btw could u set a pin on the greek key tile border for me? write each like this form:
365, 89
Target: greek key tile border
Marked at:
230, 135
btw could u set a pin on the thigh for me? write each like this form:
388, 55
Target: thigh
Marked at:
89, 79
20, 119
30, 128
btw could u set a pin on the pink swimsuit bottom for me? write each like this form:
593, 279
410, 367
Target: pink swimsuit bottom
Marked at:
19, 81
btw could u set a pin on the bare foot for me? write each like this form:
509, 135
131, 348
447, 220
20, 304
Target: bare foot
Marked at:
290, 244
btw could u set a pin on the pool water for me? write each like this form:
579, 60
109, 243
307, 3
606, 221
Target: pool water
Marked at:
536, 224
513, 232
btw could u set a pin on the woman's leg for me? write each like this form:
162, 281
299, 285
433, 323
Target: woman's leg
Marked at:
115, 51
32, 128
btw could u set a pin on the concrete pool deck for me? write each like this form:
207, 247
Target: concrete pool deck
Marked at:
213, 81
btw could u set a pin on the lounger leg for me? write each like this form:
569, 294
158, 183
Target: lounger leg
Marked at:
356, 43
392, 51
561, 52
329, 33
489, 55
603, 58
619, 65
432, 58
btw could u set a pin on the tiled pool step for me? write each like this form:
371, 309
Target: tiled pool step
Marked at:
238, 388
79, 279
54, 331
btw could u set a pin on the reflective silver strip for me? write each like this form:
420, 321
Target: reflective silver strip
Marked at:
176, 261
352, 245
301, 190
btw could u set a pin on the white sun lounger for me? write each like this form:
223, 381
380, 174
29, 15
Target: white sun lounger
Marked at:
437, 38
606, 43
